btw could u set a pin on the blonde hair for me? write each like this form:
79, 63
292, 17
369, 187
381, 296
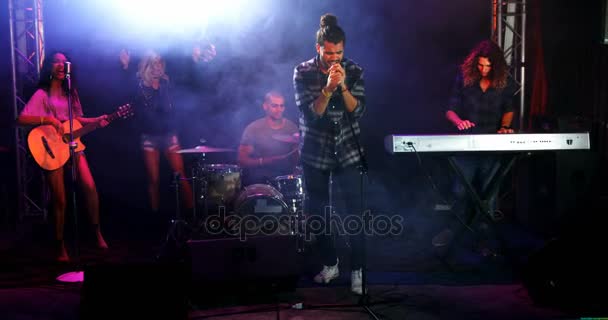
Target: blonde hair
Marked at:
145, 67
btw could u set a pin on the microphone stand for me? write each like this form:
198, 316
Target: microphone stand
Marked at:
178, 232
363, 171
76, 276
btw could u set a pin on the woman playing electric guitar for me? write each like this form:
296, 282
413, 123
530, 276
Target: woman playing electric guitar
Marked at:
49, 106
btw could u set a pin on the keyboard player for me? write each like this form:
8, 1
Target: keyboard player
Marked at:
481, 103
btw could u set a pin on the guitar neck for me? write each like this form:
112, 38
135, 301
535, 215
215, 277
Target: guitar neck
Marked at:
92, 126
84, 130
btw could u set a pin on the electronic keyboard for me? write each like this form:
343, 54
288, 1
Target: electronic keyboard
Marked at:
396, 143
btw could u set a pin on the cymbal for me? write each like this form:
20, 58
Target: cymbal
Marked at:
289, 138
205, 149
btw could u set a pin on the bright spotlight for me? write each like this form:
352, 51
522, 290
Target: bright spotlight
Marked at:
181, 16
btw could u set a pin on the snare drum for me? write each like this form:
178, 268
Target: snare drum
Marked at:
220, 182
292, 189
290, 186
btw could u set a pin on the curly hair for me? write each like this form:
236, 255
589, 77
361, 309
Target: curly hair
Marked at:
499, 72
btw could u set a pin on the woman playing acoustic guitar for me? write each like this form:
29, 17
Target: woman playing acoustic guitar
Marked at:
49, 106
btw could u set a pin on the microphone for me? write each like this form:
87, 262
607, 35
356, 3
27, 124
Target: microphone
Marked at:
67, 68
343, 65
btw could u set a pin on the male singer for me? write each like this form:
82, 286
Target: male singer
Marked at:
329, 91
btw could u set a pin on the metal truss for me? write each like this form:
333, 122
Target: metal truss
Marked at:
27, 54
509, 31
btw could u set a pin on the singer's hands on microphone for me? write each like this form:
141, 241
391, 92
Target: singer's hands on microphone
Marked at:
336, 77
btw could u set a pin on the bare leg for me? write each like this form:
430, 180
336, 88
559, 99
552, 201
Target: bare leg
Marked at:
85, 179
151, 161
58, 203
177, 165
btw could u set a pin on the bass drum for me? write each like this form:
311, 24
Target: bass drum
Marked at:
263, 211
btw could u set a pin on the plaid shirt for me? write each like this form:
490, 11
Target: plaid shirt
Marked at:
485, 109
328, 140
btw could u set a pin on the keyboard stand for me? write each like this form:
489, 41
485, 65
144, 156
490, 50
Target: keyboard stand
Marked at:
481, 201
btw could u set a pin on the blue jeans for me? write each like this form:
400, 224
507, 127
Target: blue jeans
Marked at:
477, 170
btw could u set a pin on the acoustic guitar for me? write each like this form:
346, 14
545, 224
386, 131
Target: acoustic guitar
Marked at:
51, 150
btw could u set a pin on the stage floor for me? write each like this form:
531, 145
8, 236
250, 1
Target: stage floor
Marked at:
405, 274
482, 301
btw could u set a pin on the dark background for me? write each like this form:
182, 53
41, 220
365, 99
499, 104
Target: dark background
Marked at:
409, 49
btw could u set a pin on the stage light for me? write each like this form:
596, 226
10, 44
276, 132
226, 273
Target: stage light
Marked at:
181, 16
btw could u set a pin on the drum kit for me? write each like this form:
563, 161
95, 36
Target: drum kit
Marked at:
217, 186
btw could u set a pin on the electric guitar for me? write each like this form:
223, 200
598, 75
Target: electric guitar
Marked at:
51, 150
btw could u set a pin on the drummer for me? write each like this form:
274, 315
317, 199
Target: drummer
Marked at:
269, 145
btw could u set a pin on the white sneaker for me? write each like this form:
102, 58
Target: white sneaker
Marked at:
443, 238
356, 282
328, 273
